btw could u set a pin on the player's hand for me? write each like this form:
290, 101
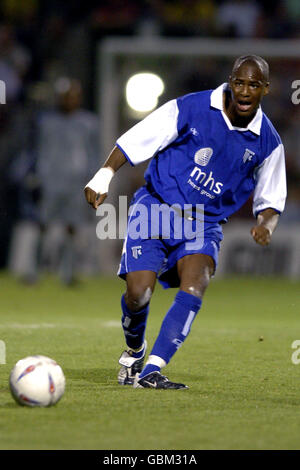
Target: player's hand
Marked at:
93, 198
261, 235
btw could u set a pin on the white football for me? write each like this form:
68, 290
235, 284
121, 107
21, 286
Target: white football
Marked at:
37, 381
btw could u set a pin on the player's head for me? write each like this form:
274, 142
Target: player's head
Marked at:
69, 94
249, 83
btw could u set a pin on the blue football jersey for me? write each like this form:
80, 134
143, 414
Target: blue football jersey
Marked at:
199, 157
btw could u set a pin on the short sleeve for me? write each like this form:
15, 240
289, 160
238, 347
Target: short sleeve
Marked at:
271, 190
150, 135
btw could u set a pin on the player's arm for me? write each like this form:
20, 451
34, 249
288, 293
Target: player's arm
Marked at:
266, 224
137, 145
269, 196
97, 188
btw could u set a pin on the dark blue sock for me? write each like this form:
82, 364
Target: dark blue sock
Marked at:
174, 330
134, 325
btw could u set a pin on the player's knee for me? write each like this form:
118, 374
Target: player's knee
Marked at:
196, 291
196, 287
137, 297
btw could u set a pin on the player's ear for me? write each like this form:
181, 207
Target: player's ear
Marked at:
229, 81
266, 88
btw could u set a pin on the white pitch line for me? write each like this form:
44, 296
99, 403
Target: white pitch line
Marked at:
35, 326
27, 325
112, 324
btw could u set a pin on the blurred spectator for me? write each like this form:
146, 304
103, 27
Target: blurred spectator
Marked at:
188, 18
14, 65
196, 74
22, 260
278, 24
14, 10
292, 8
12, 52
293, 12
291, 212
67, 154
14, 62
13, 121
56, 51
115, 17
238, 18
291, 139
64, 157
25, 18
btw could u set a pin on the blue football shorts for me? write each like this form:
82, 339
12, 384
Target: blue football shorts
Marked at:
152, 244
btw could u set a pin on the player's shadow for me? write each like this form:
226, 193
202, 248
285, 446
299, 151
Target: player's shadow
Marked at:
98, 376
108, 377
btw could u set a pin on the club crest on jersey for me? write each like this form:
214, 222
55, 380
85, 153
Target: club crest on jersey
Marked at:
202, 156
136, 251
248, 155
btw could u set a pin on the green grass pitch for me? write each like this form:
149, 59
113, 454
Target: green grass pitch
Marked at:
244, 389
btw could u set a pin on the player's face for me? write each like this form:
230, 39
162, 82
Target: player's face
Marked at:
248, 86
71, 100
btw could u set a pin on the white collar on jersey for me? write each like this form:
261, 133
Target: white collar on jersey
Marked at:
216, 101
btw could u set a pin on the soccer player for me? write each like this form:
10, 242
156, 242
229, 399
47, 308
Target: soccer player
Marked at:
211, 148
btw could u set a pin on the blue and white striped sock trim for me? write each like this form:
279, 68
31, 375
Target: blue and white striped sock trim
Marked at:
156, 361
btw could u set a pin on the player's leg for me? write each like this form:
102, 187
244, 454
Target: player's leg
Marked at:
67, 260
135, 307
194, 272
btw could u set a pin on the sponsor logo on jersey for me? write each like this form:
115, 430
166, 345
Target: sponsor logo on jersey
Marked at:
206, 180
202, 156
